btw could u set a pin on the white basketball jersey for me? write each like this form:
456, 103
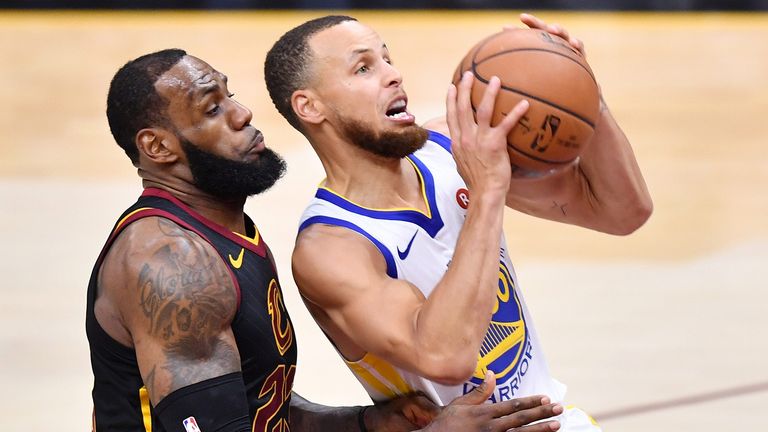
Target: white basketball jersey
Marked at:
418, 247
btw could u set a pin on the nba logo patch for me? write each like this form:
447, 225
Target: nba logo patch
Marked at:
190, 425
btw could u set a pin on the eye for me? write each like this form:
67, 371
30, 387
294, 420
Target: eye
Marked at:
362, 69
231, 95
213, 111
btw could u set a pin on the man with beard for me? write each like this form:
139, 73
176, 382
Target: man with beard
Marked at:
409, 277
185, 318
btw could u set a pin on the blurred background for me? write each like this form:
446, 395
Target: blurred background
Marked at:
624, 5
662, 330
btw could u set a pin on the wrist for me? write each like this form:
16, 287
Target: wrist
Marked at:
488, 197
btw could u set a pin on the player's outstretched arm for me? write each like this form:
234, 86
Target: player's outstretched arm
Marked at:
468, 413
604, 191
167, 293
344, 280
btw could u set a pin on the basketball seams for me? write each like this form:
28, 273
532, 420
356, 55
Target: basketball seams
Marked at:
474, 63
522, 93
492, 50
500, 53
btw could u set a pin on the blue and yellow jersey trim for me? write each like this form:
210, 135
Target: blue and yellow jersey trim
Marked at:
430, 220
390, 260
441, 140
428, 213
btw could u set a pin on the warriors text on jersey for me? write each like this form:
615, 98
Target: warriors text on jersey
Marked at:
261, 326
418, 247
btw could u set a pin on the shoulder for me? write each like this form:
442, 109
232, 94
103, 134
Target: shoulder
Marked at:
328, 258
333, 245
157, 239
173, 300
155, 265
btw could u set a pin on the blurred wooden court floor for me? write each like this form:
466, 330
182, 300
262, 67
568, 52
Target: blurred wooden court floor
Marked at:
663, 330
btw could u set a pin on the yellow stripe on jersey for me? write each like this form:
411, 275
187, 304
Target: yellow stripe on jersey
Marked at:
423, 196
363, 373
144, 398
594, 422
122, 221
255, 240
256, 237
380, 375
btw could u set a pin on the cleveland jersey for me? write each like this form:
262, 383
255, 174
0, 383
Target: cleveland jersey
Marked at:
261, 326
418, 246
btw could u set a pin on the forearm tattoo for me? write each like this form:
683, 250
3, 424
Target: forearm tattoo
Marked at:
557, 206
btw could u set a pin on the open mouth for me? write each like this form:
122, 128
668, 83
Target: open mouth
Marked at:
397, 111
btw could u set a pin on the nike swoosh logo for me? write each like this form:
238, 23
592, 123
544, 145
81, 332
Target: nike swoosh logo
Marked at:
404, 254
236, 263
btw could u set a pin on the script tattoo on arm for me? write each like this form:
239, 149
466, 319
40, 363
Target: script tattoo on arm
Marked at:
188, 300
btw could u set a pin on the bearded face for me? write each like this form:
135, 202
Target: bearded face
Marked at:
389, 144
230, 179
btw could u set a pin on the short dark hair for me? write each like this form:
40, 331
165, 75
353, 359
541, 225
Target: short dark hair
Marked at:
285, 69
133, 102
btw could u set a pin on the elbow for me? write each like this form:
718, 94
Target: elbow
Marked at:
450, 369
634, 217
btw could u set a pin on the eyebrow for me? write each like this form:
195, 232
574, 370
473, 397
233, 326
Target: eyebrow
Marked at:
210, 86
360, 51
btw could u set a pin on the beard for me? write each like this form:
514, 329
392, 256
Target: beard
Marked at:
229, 179
388, 144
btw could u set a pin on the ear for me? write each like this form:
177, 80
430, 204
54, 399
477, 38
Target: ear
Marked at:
307, 106
157, 145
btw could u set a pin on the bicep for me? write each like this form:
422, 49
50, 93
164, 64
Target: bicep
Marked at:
354, 300
178, 303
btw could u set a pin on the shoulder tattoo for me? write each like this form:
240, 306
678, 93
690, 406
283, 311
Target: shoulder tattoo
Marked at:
187, 296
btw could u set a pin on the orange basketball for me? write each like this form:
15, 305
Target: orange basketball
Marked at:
557, 82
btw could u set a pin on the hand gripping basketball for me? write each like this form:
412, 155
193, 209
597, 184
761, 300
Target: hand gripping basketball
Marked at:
552, 74
479, 148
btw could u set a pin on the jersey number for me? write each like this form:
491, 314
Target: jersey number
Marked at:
278, 386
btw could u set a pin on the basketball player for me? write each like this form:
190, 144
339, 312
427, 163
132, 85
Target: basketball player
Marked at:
185, 318
400, 256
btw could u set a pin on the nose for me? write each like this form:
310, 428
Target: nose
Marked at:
392, 75
241, 116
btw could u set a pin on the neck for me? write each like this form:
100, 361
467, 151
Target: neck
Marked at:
227, 213
367, 179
